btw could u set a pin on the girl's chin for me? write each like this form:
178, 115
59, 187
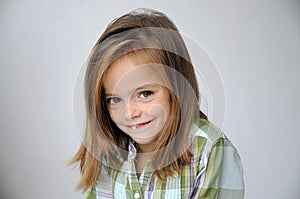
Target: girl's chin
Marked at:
144, 140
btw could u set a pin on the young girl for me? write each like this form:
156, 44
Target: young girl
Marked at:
145, 136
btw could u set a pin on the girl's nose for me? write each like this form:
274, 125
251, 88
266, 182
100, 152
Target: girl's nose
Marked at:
133, 109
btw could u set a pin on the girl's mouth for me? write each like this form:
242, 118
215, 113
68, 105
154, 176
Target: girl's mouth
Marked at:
140, 125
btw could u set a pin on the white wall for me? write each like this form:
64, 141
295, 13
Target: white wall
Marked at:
255, 45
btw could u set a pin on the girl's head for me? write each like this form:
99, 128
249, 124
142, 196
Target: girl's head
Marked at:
140, 85
136, 97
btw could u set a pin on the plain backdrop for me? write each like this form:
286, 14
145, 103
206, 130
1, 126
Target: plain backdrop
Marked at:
255, 45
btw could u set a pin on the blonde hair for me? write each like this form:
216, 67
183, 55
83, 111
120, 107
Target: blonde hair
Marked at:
147, 36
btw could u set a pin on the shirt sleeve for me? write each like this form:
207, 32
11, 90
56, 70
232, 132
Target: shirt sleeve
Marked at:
90, 194
223, 178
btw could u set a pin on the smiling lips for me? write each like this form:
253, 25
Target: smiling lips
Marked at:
140, 125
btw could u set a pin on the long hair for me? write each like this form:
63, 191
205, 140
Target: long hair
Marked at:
147, 36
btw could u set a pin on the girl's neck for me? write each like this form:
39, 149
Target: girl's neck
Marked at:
141, 160
145, 148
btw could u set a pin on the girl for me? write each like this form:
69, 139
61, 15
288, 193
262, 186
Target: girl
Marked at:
145, 136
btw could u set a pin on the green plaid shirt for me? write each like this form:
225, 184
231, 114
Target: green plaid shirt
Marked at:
215, 172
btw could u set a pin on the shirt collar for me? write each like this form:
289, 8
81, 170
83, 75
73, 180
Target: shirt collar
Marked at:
132, 150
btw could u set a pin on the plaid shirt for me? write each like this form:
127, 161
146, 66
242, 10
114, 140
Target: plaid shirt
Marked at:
215, 172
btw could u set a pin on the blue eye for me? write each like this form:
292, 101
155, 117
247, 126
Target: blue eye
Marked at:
145, 94
113, 100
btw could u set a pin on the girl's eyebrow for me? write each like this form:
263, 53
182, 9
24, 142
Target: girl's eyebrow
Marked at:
108, 94
145, 86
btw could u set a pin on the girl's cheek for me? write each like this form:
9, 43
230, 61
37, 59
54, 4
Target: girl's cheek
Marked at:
158, 110
113, 115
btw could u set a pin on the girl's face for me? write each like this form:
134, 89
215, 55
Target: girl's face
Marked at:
136, 98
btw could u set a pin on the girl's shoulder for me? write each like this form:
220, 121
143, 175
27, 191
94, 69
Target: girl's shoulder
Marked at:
206, 137
209, 131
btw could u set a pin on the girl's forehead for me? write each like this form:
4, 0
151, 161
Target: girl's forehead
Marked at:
125, 74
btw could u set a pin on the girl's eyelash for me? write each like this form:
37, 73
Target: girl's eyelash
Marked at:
115, 100
145, 94
112, 100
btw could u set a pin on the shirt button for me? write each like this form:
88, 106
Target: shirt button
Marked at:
136, 195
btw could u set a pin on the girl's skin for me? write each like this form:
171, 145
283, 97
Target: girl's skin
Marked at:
137, 102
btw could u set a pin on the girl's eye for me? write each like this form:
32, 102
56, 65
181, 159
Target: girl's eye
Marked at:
113, 100
145, 94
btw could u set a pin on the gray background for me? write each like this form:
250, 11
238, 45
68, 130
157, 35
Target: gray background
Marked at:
255, 45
